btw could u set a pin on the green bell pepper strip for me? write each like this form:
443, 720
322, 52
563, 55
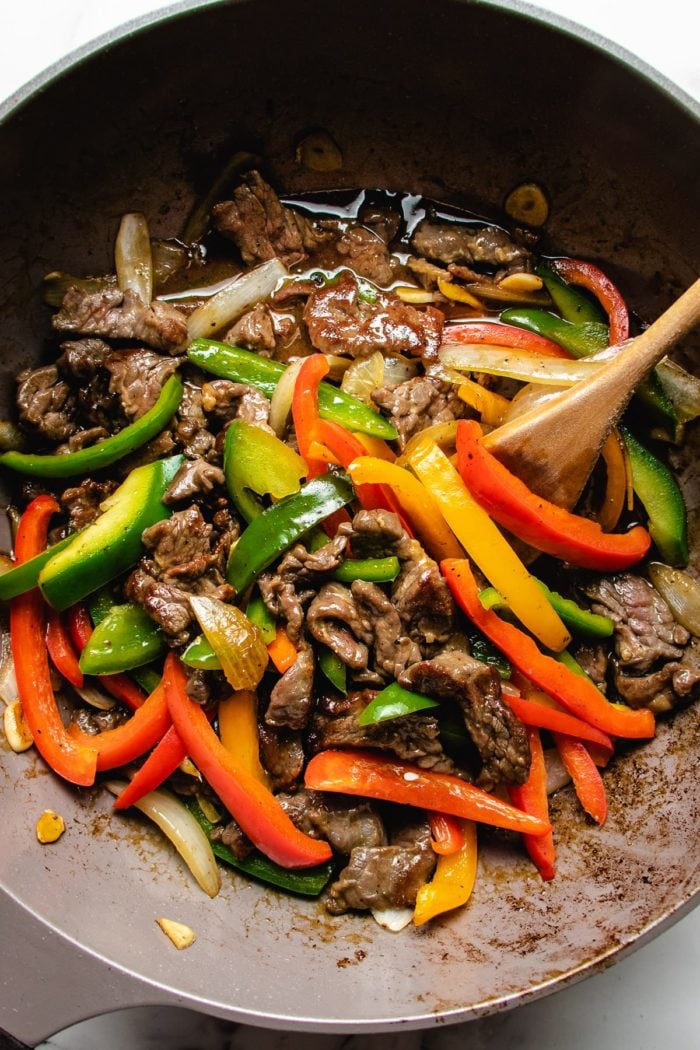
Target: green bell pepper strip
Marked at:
200, 654
243, 366
259, 614
125, 638
283, 524
579, 339
100, 604
662, 499
373, 570
334, 669
104, 453
25, 576
569, 301
307, 883
581, 621
394, 702
258, 462
482, 649
572, 664
147, 677
112, 543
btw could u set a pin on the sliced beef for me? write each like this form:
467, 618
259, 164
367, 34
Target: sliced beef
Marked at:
341, 322
82, 502
199, 686
455, 242
195, 479
428, 273
137, 378
282, 755
662, 690
334, 620
232, 836
345, 823
82, 439
191, 431
419, 403
93, 721
593, 658
498, 735
292, 696
82, 363
262, 227
165, 603
292, 585
121, 315
260, 329
413, 738
393, 650
366, 254
378, 877
46, 404
223, 401
384, 222
83, 359
375, 533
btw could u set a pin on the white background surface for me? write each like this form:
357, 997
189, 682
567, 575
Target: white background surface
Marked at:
646, 1002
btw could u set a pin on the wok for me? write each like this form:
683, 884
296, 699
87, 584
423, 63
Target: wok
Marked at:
458, 101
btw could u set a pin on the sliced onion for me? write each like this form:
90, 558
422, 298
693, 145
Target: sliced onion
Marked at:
281, 401
398, 370
682, 388
236, 296
177, 823
363, 377
237, 642
8, 682
518, 364
394, 919
133, 258
94, 697
337, 366
530, 396
557, 773
680, 592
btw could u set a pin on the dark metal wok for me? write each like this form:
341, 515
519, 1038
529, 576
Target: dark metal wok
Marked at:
459, 101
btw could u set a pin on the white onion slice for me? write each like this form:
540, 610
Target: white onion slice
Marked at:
682, 388
680, 592
281, 400
398, 370
94, 697
133, 257
394, 919
177, 823
518, 364
236, 296
8, 682
557, 773
364, 376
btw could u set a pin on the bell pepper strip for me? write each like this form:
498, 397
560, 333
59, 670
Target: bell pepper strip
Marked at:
591, 277
581, 621
373, 570
23, 577
258, 463
531, 797
127, 742
482, 649
347, 448
245, 366
351, 772
394, 702
104, 453
575, 693
281, 525
575, 340
613, 502
259, 614
540, 716
334, 669
238, 729
126, 637
541, 524
415, 500
252, 805
492, 334
305, 409
60, 647
283, 652
112, 543
660, 494
375, 447
446, 833
308, 882
162, 762
588, 783
452, 884
483, 541
200, 654
73, 761
572, 305
119, 686
492, 407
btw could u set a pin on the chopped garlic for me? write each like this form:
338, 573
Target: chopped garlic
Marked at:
17, 732
181, 936
189, 769
408, 294
521, 282
49, 827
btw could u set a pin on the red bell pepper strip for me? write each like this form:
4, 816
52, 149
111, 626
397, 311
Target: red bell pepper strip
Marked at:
574, 692
248, 801
490, 334
305, 410
588, 782
60, 647
146, 727
165, 758
531, 797
120, 686
446, 833
377, 776
533, 519
75, 762
346, 448
585, 274
531, 713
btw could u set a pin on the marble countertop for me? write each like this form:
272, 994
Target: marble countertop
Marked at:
647, 1001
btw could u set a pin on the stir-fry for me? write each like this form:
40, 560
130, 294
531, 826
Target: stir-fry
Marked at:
271, 586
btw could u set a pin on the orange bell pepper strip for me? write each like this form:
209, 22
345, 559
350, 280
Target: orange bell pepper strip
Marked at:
351, 772
374, 446
531, 797
146, 727
238, 730
74, 761
452, 884
446, 833
120, 686
305, 409
588, 782
249, 802
490, 334
586, 275
283, 652
543, 525
346, 448
60, 647
537, 715
574, 692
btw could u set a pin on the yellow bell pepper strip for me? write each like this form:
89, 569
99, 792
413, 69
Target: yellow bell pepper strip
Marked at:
249, 802
446, 835
615, 482
375, 447
533, 519
588, 783
574, 692
75, 762
351, 772
531, 797
662, 499
415, 500
588, 276
238, 729
452, 884
483, 541
95, 457
256, 461
491, 407
283, 652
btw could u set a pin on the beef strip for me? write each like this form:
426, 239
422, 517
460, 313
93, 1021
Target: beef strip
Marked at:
93, 721
82, 439
419, 403
121, 315
223, 401
83, 359
384, 222
378, 877
428, 273
345, 823
232, 836
191, 432
82, 502
260, 329
282, 755
375, 533
82, 363
292, 696
262, 227
662, 690
455, 242
593, 658
195, 478
413, 738
498, 735
137, 378
286, 590
393, 650
339, 321
334, 620
366, 253
46, 404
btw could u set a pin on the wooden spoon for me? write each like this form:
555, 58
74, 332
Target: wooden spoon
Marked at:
554, 447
